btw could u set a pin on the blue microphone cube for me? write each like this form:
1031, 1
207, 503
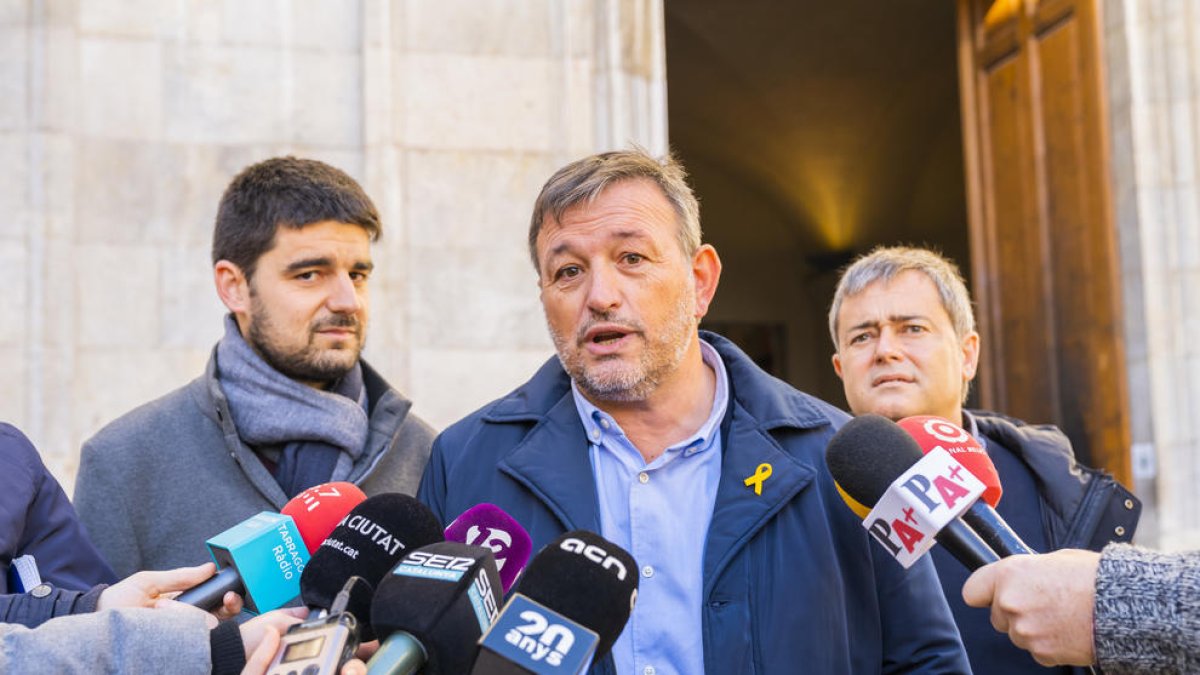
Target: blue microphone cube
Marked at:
539, 639
268, 553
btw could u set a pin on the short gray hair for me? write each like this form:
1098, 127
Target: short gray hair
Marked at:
886, 262
583, 180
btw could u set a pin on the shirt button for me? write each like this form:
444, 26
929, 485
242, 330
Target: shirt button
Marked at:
648, 670
596, 434
643, 478
647, 571
40, 591
604, 423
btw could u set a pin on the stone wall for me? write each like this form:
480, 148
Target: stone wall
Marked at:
121, 123
1153, 79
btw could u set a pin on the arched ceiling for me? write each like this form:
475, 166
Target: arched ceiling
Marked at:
823, 126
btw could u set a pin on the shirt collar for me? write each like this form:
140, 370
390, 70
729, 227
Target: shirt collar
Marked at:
599, 424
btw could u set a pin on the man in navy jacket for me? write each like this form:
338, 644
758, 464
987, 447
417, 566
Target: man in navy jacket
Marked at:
905, 341
674, 445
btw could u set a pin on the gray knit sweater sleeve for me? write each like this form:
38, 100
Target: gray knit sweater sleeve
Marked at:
1147, 611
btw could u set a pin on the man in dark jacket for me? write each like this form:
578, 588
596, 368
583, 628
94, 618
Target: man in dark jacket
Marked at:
905, 344
672, 444
36, 520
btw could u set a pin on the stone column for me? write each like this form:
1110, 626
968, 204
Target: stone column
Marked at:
1152, 56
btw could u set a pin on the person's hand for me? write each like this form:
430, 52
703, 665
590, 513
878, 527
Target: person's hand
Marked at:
260, 627
1044, 602
260, 660
148, 589
231, 606
145, 589
366, 650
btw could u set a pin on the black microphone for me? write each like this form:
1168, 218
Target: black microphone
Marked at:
865, 457
433, 608
566, 612
367, 543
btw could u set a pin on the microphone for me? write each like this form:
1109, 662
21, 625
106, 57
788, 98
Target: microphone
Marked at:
260, 558
366, 543
324, 505
877, 464
567, 611
270, 549
433, 608
489, 526
932, 432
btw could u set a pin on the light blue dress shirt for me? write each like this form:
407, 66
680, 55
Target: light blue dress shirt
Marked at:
660, 513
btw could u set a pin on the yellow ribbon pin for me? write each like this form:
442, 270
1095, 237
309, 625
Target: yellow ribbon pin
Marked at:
761, 474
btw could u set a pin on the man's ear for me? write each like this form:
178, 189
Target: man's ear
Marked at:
970, 348
706, 270
232, 287
837, 364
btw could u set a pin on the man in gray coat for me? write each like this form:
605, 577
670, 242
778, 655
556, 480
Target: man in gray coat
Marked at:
285, 402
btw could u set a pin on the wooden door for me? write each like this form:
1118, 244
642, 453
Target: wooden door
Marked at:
1043, 242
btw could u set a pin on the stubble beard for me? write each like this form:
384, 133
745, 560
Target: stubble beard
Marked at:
614, 380
311, 363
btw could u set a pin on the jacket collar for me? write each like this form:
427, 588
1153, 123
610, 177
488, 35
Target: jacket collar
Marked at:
553, 461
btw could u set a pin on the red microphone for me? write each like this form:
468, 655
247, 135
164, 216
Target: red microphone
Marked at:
931, 432
320, 508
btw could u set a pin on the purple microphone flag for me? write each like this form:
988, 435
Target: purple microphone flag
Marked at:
489, 526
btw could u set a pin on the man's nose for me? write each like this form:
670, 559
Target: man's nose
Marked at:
887, 347
604, 292
344, 295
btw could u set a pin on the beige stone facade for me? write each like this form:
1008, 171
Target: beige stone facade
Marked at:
1152, 48
121, 123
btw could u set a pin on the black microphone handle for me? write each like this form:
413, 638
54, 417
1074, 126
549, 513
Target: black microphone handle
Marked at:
995, 532
966, 545
208, 595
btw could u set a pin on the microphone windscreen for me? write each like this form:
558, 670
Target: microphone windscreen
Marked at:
489, 526
367, 543
445, 595
867, 454
587, 579
320, 508
932, 432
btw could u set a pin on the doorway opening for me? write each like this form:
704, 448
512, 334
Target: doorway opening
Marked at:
813, 132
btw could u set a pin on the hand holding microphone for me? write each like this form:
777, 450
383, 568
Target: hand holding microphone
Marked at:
147, 589
1045, 603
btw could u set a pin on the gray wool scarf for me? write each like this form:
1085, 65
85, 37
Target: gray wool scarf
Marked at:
321, 433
